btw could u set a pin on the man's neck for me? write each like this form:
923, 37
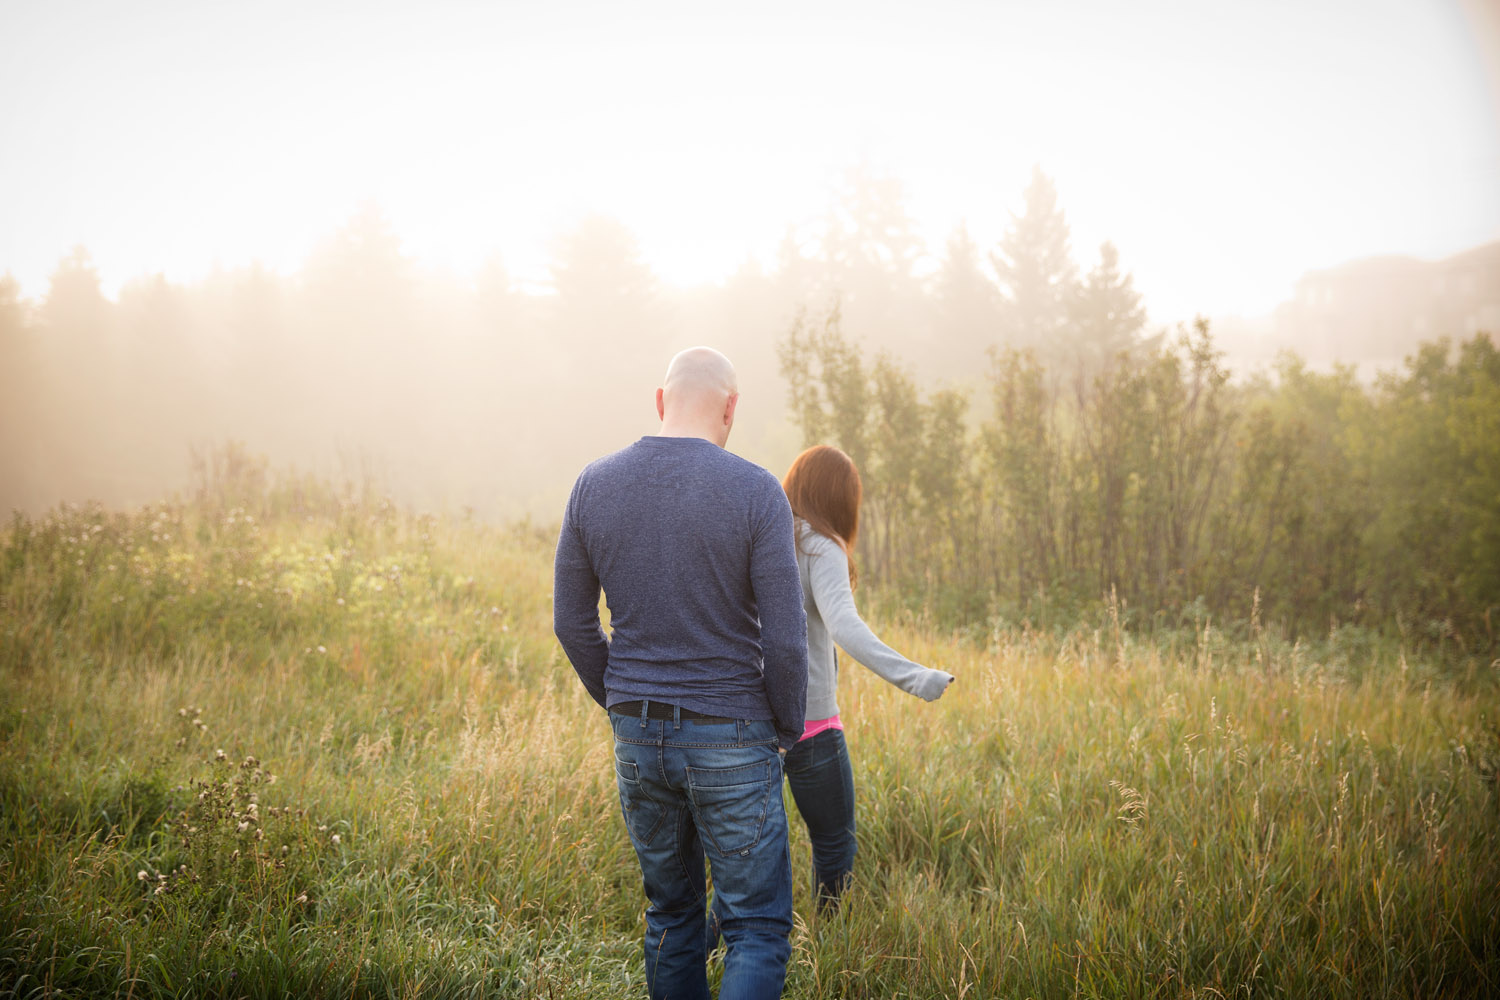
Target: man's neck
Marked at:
674, 430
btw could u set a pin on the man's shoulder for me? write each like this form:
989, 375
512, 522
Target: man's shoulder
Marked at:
607, 465
752, 472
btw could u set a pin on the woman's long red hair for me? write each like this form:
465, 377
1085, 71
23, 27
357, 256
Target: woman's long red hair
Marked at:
824, 489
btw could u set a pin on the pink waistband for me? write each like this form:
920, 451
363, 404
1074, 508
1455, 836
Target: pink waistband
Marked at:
816, 726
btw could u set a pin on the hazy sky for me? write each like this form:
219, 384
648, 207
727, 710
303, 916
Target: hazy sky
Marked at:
1224, 147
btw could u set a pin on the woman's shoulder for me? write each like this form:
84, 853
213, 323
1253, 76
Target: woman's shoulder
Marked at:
814, 542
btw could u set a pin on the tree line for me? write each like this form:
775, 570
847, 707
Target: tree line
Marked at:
1029, 445
1154, 483
480, 390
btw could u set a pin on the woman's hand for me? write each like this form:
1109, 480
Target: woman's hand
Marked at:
931, 685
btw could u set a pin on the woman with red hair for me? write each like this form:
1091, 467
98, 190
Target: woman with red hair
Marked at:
824, 489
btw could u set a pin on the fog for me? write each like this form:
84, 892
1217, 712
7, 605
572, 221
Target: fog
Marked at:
449, 392
446, 252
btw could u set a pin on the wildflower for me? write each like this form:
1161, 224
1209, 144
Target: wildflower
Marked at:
159, 890
244, 826
140, 876
340, 602
335, 838
322, 649
302, 898
220, 755
260, 834
285, 849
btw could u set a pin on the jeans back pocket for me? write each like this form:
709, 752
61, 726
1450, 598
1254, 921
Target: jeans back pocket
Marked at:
730, 803
642, 813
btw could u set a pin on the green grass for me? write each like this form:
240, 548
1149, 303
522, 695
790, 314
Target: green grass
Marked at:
1086, 813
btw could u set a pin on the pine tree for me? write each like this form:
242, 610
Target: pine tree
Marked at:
1038, 279
1107, 313
870, 250
968, 316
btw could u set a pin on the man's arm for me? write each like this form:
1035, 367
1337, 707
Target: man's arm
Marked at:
575, 606
783, 623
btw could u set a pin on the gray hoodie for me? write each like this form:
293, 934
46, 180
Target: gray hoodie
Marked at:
831, 618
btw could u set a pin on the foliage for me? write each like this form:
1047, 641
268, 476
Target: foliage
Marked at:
1301, 500
1431, 452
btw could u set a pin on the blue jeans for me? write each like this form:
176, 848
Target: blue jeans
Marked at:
692, 788
822, 782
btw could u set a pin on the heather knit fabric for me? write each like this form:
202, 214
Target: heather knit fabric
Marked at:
693, 549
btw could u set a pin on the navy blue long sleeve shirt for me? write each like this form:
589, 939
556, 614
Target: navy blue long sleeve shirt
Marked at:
693, 549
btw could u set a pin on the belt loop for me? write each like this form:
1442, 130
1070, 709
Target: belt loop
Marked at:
676, 717
644, 704
739, 731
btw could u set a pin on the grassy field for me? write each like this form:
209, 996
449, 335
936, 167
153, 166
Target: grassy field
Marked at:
289, 745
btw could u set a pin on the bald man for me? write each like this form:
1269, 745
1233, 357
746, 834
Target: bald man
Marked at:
704, 675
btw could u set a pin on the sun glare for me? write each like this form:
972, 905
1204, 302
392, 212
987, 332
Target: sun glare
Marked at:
1224, 152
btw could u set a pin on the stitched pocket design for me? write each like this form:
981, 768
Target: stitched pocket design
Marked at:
730, 803
642, 813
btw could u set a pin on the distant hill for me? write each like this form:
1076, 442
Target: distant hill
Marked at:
1378, 309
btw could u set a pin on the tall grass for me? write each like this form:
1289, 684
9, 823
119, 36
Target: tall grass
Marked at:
277, 741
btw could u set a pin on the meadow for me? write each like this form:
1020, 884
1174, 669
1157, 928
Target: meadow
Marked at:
272, 739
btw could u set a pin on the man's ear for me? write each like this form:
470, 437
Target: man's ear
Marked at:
661, 411
734, 399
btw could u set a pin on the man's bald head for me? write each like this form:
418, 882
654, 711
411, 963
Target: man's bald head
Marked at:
698, 395
700, 369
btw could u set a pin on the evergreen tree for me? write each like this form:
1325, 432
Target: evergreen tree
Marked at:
610, 336
871, 239
870, 251
606, 293
1107, 313
967, 308
1038, 279
75, 313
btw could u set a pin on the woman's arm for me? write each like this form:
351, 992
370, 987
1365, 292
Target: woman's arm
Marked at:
828, 569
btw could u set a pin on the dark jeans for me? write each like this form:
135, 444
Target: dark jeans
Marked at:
823, 787
693, 788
